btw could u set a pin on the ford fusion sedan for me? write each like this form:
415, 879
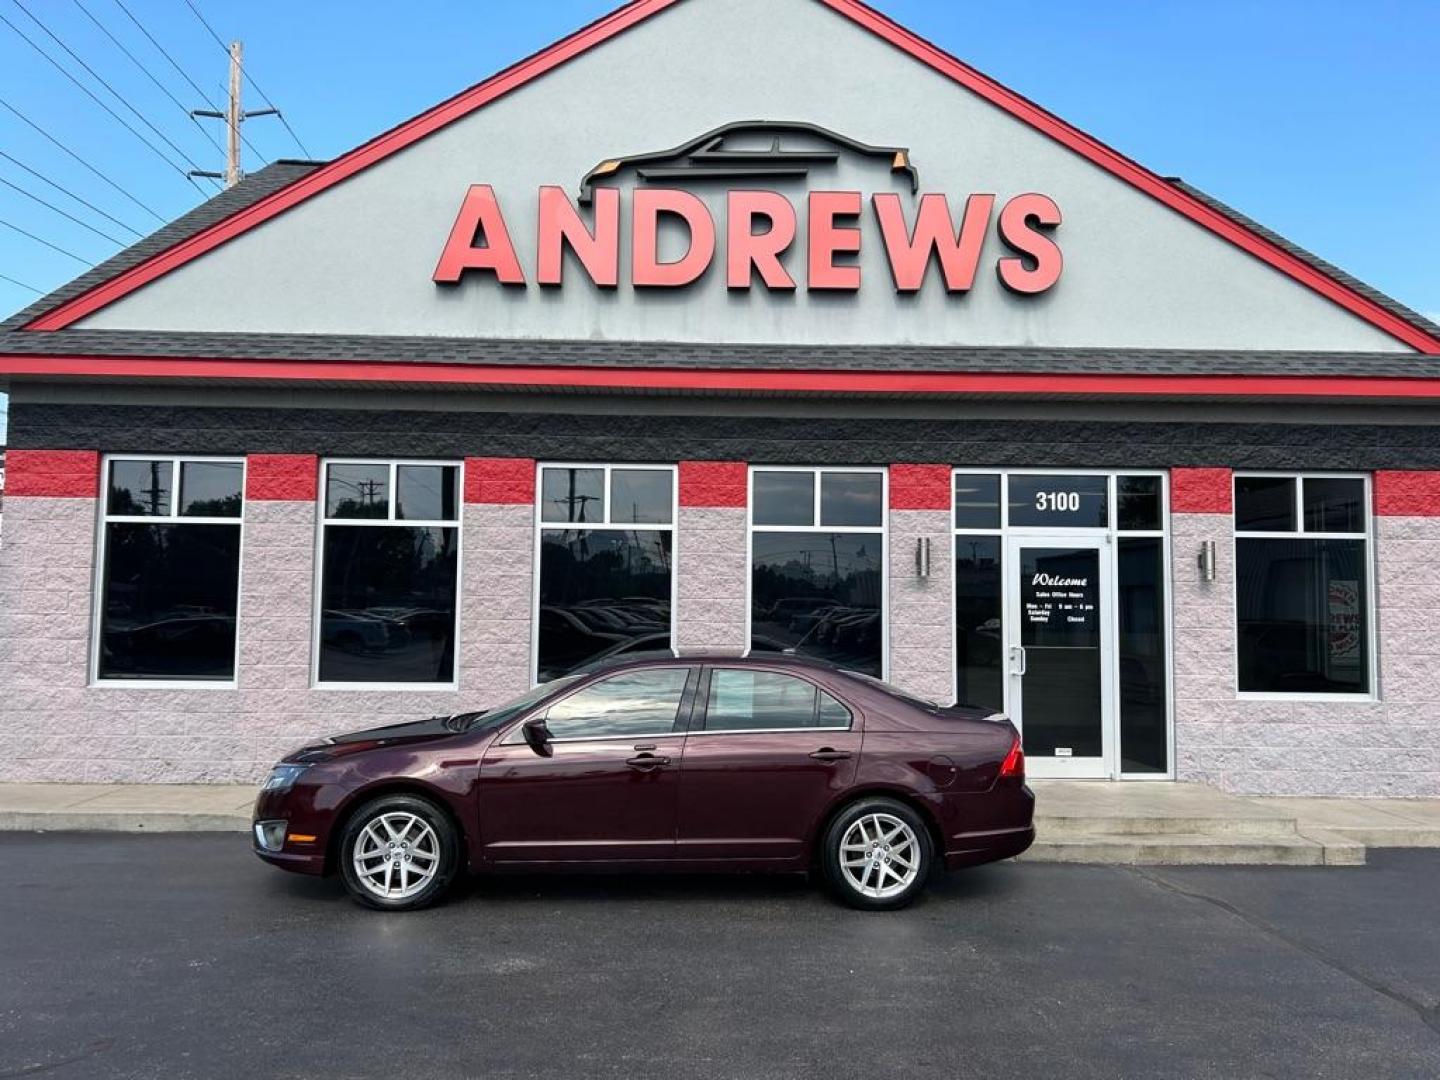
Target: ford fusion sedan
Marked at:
701, 763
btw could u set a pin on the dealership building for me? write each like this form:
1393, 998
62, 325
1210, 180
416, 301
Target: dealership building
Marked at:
726, 325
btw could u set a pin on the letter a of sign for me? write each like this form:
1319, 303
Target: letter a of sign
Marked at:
479, 218
934, 231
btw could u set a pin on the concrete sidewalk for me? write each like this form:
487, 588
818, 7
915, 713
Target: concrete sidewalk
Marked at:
1078, 821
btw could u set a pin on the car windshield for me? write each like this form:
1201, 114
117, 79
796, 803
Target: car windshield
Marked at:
493, 717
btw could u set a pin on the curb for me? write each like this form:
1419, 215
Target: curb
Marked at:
121, 821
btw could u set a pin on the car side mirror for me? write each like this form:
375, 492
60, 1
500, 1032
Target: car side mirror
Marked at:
537, 736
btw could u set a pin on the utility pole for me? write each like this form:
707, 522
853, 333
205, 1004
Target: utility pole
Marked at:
233, 116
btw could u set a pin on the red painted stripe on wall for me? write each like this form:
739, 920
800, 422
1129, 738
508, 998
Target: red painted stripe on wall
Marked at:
1201, 491
499, 481
56, 474
920, 487
1407, 494
281, 477
714, 483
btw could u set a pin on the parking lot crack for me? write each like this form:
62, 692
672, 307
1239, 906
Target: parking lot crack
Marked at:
1429, 1016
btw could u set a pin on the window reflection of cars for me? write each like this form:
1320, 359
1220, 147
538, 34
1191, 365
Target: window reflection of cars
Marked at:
580, 634
199, 635
795, 605
353, 631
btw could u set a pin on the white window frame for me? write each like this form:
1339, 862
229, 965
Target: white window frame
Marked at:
323, 521
604, 525
882, 530
1372, 668
106, 519
1115, 534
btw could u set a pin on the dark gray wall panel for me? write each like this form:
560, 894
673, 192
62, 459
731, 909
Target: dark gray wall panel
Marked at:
780, 440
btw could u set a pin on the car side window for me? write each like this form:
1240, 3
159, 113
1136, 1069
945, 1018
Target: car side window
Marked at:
745, 700
631, 703
832, 713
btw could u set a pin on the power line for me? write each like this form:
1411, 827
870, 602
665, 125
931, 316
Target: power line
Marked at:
47, 243
95, 98
13, 281
63, 213
263, 96
158, 217
148, 74
119, 96
45, 179
183, 74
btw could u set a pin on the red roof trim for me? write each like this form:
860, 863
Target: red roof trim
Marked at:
638, 11
347, 165
725, 379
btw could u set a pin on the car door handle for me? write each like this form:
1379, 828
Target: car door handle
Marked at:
826, 754
646, 762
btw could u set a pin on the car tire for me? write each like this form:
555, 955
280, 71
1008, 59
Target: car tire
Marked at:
877, 854
398, 853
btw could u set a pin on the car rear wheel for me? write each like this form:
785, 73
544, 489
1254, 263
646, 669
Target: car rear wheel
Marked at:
398, 853
877, 854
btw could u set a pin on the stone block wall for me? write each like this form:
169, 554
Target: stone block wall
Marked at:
55, 726
1389, 746
711, 557
921, 609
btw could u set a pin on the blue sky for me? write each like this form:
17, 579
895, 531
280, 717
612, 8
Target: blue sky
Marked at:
1317, 117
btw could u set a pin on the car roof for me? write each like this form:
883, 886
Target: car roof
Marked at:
665, 656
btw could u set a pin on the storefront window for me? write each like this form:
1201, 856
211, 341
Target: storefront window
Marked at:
605, 585
1302, 585
170, 569
1143, 668
979, 622
390, 553
816, 564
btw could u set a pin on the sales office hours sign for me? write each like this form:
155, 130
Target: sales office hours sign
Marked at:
755, 241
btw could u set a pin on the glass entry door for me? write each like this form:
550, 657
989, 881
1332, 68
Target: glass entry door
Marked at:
1059, 653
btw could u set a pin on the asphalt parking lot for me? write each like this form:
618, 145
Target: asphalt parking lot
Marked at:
183, 956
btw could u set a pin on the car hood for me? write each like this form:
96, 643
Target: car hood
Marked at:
389, 735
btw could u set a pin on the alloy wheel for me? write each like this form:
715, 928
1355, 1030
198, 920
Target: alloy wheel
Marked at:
880, 856
396, 855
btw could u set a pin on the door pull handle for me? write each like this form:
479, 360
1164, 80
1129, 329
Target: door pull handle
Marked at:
646, 762
1017, 652
826, 754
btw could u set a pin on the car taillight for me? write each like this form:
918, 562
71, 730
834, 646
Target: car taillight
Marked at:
1014, 763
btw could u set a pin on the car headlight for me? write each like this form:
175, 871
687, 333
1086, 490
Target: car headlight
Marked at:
283, 777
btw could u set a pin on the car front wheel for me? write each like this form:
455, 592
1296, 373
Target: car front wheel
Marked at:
398, 853
877, 854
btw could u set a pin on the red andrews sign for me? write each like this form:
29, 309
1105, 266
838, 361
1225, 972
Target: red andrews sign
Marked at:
758, 233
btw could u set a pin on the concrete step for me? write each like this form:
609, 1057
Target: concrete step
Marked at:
1081, 827
1198, 849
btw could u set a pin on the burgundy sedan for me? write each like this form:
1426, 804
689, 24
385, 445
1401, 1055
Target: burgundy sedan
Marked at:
693, 763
